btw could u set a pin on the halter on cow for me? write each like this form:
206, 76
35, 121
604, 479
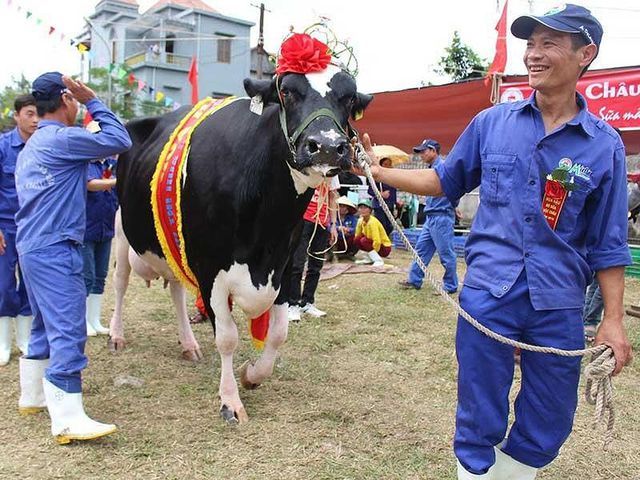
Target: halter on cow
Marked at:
249, 177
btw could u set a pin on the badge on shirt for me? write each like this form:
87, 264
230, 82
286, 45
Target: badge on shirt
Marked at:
556, 190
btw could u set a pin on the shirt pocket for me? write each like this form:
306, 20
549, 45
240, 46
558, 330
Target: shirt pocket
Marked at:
7, 177
497, 178
573, 207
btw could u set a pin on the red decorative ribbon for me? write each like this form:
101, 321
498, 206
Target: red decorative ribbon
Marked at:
554, 197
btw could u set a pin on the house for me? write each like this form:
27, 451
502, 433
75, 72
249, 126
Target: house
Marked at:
159, 44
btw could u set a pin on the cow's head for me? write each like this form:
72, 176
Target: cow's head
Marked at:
316, 108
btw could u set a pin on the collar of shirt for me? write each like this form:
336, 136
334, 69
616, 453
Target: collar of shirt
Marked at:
582, 119
46, 123
16, 139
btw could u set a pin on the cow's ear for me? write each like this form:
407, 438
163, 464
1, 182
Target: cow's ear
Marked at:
265, 88
361, 102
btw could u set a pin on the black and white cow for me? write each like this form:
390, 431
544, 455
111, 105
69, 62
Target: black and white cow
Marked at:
246, 190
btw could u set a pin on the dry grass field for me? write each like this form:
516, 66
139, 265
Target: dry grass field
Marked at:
366, 393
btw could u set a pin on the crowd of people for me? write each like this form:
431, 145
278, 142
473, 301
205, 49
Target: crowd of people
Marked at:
528, 265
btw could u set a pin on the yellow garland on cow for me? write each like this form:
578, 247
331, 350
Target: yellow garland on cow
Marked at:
166, 206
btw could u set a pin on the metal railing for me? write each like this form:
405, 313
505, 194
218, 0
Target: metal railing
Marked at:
160, 58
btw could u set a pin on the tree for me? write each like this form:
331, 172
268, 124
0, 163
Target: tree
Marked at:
7, 97
461, 62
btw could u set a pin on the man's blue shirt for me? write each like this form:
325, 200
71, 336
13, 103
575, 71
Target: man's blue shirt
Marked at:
102, 205
51, 177
11, 144
439, 205
506, 152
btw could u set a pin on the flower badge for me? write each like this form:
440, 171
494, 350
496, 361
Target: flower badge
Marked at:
301, 53
556, 190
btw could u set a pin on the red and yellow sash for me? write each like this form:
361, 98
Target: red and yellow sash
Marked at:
166, 191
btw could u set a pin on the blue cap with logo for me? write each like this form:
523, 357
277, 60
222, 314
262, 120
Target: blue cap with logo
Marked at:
427, 143
567, 18
48, 86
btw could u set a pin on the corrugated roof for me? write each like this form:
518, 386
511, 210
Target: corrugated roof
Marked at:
196, 4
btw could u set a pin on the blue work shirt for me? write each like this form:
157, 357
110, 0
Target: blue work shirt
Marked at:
506, 151
11, 144
439, 205
102, 205
51, 177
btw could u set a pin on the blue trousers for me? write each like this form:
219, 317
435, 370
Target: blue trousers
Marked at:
95, 257
13, 294
546, 403
593, 304
57, 292
436, 235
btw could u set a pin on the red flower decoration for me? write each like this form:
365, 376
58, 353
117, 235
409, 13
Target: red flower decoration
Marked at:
301, 53
554, 189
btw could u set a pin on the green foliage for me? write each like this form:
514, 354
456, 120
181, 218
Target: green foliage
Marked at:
461, 62
7, 97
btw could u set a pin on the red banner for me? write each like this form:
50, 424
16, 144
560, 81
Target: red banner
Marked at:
613, 96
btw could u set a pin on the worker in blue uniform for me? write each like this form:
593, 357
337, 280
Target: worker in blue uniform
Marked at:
437, 232
51, 180
553, 209
14, 304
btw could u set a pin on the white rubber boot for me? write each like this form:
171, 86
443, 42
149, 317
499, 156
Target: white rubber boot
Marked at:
23, 332
31, 392
91, 332
508, 468
376, 258
464, 474
6, 330
94, 309
68, 420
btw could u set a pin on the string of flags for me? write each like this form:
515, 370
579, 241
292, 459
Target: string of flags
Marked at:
119, 71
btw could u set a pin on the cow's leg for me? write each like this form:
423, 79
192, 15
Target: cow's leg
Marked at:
120, 283
190, 348
252, 376
231, 408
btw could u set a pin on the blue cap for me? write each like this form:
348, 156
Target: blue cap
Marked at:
48, 86
427, 143
567, 18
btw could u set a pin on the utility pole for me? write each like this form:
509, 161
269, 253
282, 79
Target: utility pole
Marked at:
260, 50
94, 29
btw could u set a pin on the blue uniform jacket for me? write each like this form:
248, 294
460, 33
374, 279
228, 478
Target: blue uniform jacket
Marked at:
506, 152
101, 206
11, 144
51, 177
439, 205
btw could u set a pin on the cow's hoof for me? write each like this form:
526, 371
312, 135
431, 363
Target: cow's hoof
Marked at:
244, 381
233, 418
115, 344
194, 355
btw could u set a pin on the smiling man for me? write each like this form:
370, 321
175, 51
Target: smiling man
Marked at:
552, 211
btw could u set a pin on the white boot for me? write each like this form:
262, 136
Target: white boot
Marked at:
23, 332
508, 468
68, 419
91, 332
6, 329
464, 474
376, 258
31, 392
94, 304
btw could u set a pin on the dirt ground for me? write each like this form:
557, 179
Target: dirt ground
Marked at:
368, 392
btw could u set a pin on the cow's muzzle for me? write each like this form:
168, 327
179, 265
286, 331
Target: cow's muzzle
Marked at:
327, 151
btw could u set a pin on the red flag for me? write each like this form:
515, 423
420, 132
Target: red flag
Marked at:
500, 60
193, 80
131, 79
87, 119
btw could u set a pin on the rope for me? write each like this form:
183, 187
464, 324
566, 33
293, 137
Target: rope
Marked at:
599, 391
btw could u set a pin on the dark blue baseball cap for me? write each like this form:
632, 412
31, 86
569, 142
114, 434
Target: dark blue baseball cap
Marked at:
427, 143
48, 86
567, 18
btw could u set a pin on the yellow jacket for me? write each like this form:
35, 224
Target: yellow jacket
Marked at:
373, 230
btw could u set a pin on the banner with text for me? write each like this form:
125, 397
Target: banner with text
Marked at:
612, 96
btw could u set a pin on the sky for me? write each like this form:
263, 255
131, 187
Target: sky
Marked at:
397, 44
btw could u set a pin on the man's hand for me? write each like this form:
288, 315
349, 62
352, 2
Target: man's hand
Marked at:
386, 194
612, 334
333, 235
78, 90
3, 243
375, 161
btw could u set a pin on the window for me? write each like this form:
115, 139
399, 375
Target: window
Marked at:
224, 47
169, 43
